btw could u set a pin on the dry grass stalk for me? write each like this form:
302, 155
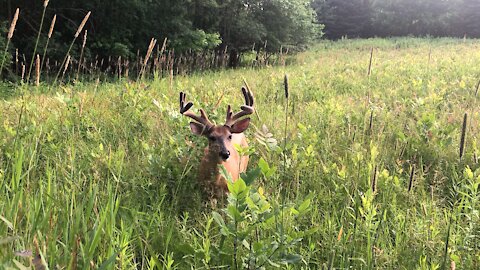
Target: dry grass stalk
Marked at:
81, 54
370, 124
84, 39
50, 32
45, 4
127, 63
52, 26
340, 233
67, 62
16, 61
374, 179
412, 174
119, 66
164, 46
37, 70
80, 27
285, 83
478, 86
462, 138
23, 72
151, 46
13, 24
370, 63
9, 37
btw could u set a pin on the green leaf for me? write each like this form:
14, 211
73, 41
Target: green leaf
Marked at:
9, 224
468, 173
9, 239
267, 171
218, 219
304, 206
238, 187
292, 259
109, 261
20, 265
234, 213
263, 165
250, 176
225, 174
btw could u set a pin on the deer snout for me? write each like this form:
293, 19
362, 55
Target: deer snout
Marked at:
225, 154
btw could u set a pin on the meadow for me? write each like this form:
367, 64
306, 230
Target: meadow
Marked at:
360, 168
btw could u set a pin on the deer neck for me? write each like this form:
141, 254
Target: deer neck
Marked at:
209, 165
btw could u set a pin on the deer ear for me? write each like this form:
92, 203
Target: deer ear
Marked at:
197, 128
240, 126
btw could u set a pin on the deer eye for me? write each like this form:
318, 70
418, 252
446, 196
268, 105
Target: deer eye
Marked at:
230, 137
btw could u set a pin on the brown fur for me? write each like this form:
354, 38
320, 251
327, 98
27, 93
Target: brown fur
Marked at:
221, 147
209, 173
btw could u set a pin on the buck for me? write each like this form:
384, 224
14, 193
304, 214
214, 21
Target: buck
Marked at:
221, 141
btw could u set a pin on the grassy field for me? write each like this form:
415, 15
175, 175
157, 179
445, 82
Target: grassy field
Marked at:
368, 176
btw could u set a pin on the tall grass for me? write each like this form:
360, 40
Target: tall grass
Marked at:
64, 64
9, 37
49, 36
40, 28
102, 175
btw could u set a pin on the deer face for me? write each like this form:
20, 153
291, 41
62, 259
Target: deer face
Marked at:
220, 137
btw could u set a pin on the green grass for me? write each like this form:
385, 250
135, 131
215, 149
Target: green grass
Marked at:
104, 176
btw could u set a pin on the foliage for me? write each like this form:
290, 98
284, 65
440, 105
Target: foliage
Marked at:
123, 27
370, 18
277, 23
345, 17
252, 233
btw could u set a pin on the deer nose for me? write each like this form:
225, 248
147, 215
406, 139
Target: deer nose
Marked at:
225, 154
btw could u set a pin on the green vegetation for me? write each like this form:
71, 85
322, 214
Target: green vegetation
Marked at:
369, 175
390, 18
121, 28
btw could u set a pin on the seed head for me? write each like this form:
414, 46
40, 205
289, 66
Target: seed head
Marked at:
285, 82
80, 28
14, 22
52, 25
84, 39
37, 70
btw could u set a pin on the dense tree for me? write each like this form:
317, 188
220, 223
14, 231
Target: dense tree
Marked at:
350, 18
121, 27
269, 24
412, 17
468, 22
368, 18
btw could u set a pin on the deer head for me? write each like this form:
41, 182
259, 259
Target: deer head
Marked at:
219, 136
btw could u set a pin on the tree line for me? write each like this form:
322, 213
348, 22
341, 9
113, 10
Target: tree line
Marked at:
119, 28
385, 18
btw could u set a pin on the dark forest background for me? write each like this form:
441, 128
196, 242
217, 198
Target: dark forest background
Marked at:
122, 27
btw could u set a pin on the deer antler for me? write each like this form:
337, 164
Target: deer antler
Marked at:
247, 109
184, 109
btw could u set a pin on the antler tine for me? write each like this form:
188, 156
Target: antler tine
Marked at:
247, 109
248, 96
185, 110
